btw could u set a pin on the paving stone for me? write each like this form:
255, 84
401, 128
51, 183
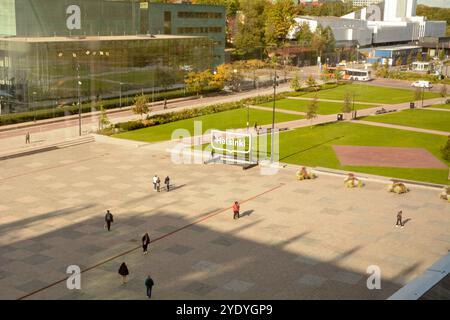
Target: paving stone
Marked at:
206, 266
199, 288
306, 260
331, 211
312, 280
287, 210
37, 247
179, 249
238, 286
347, 277
36, 259
166, 229
223, 241
91, 249
443, 237
32, 285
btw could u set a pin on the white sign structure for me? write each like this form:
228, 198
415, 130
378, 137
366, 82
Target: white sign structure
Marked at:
231, 142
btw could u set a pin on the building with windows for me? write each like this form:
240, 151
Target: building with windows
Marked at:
389, 22
364, 3
390, 55
187, 19
46, 45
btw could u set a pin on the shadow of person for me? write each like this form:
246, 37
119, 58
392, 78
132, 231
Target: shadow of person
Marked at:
406, 221
246, 213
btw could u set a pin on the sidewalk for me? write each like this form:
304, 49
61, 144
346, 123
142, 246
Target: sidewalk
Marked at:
395, 126
337, 101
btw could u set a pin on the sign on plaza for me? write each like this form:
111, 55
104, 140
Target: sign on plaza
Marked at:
231, 142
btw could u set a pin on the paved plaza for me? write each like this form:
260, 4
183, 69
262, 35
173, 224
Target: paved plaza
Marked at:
295, 240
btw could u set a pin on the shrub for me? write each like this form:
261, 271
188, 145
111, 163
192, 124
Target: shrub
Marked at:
445, 150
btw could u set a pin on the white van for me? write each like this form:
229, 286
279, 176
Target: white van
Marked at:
422, 84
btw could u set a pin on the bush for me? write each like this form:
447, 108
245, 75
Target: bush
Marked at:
48, 113
445, 150
130, 125
174, 116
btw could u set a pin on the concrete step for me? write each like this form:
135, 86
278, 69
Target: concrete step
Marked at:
10, 154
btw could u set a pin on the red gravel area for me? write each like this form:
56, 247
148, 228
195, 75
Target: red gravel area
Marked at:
387, 157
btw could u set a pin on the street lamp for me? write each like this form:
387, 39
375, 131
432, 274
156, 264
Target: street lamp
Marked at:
275, 84
357, 54
79, 83
423, 93
120, 95
75, 56
34, 105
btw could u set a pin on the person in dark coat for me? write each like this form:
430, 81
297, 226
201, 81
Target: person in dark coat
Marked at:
167, 183
123, 271
109, 219
149, 285
145, 242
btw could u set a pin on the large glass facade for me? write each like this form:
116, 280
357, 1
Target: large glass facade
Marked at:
56, 52
44, 72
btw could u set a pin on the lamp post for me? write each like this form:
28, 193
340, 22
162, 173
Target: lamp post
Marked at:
34, 105
75, 56
79, 83
357, 54
275, 84
120, 95
79, 96
423, 92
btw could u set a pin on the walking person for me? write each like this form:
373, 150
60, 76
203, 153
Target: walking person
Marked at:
236, 208
399, 219
149, 285
145, 243
158, 184
167, 183
155, 180
27, 138
123, 271
165, 103
108, 220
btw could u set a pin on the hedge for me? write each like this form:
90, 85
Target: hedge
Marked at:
41, 114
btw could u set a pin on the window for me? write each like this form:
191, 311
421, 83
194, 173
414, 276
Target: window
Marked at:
167, 22
200, 15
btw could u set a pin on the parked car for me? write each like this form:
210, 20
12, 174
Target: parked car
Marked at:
422, 84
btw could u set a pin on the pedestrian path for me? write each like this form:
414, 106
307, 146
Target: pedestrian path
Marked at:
437, 109
395, 126
278, 110
331, 100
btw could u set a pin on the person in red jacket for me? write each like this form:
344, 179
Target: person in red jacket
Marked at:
236, 210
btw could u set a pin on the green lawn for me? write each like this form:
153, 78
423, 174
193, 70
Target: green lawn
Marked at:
418, 118
441, 106
313, 147
301, 106
369, 93
223, 120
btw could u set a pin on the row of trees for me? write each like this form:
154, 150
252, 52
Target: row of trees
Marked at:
261, 24
266, 24
228, 76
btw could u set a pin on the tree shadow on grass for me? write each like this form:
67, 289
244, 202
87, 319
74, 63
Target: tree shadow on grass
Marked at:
311, 147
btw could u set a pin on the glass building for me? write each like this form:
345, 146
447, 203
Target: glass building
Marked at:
54, 51
187, 19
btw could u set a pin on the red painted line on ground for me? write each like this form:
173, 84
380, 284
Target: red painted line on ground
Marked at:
209, 216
